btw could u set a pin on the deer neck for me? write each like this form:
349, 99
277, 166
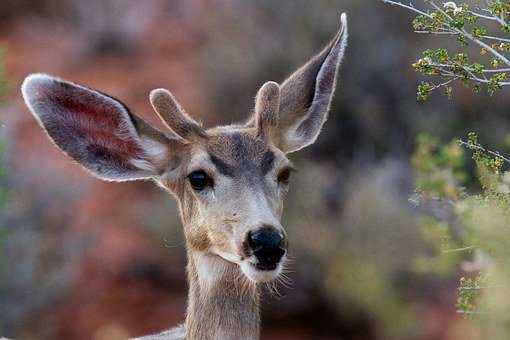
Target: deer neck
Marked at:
222, 303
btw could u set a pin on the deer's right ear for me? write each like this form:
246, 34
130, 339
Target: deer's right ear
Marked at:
305, 96
98, 131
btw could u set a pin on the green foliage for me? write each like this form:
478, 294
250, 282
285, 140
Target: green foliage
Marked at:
441, 260
476, 237
495, 83
467, 229
500, 8
424, 90
469, 292
440, 168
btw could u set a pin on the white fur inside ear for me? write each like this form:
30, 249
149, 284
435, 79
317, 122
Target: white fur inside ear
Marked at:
142, 164
155, 151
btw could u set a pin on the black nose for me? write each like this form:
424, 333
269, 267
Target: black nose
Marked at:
268, 247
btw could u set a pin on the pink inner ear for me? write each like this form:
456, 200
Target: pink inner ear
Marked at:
102, 123
87, 122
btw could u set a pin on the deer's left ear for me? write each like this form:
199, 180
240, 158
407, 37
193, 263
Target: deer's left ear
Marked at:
305, 97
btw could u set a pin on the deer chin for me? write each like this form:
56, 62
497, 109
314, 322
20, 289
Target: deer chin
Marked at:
257, 275
249, 267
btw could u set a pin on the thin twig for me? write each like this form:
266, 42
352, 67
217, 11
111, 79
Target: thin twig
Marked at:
437, 33
458, 249
483, 287
410, 7
446, 83
495, 18
499, 70
445, 32
470, 312
443, 68
481, 148
495, 38
483, 16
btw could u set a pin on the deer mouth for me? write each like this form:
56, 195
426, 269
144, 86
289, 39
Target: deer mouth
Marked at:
266, 266
261, 272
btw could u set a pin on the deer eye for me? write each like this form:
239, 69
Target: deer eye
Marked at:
199, 180
284, 176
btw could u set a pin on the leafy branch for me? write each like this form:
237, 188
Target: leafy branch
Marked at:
468, 25
472, 146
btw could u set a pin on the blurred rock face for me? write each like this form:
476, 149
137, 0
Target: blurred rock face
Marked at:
87, 259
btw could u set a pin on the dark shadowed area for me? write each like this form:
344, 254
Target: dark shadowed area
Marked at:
85, 259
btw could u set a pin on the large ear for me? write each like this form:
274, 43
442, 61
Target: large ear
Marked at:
305, 97
97, 131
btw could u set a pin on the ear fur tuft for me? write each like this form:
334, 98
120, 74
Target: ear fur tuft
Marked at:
174, 117
267, 106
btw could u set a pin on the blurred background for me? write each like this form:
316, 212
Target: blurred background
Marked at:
83, 259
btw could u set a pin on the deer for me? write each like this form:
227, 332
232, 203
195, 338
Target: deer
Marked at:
229, 181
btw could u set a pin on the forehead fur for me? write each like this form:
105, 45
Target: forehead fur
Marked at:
238, 150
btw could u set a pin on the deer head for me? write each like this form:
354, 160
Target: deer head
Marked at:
229, 181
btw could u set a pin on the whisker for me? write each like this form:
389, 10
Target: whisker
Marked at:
285, 280
275, 288
272, 289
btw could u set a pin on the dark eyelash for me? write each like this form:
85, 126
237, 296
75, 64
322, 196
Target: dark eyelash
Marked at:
199, 180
